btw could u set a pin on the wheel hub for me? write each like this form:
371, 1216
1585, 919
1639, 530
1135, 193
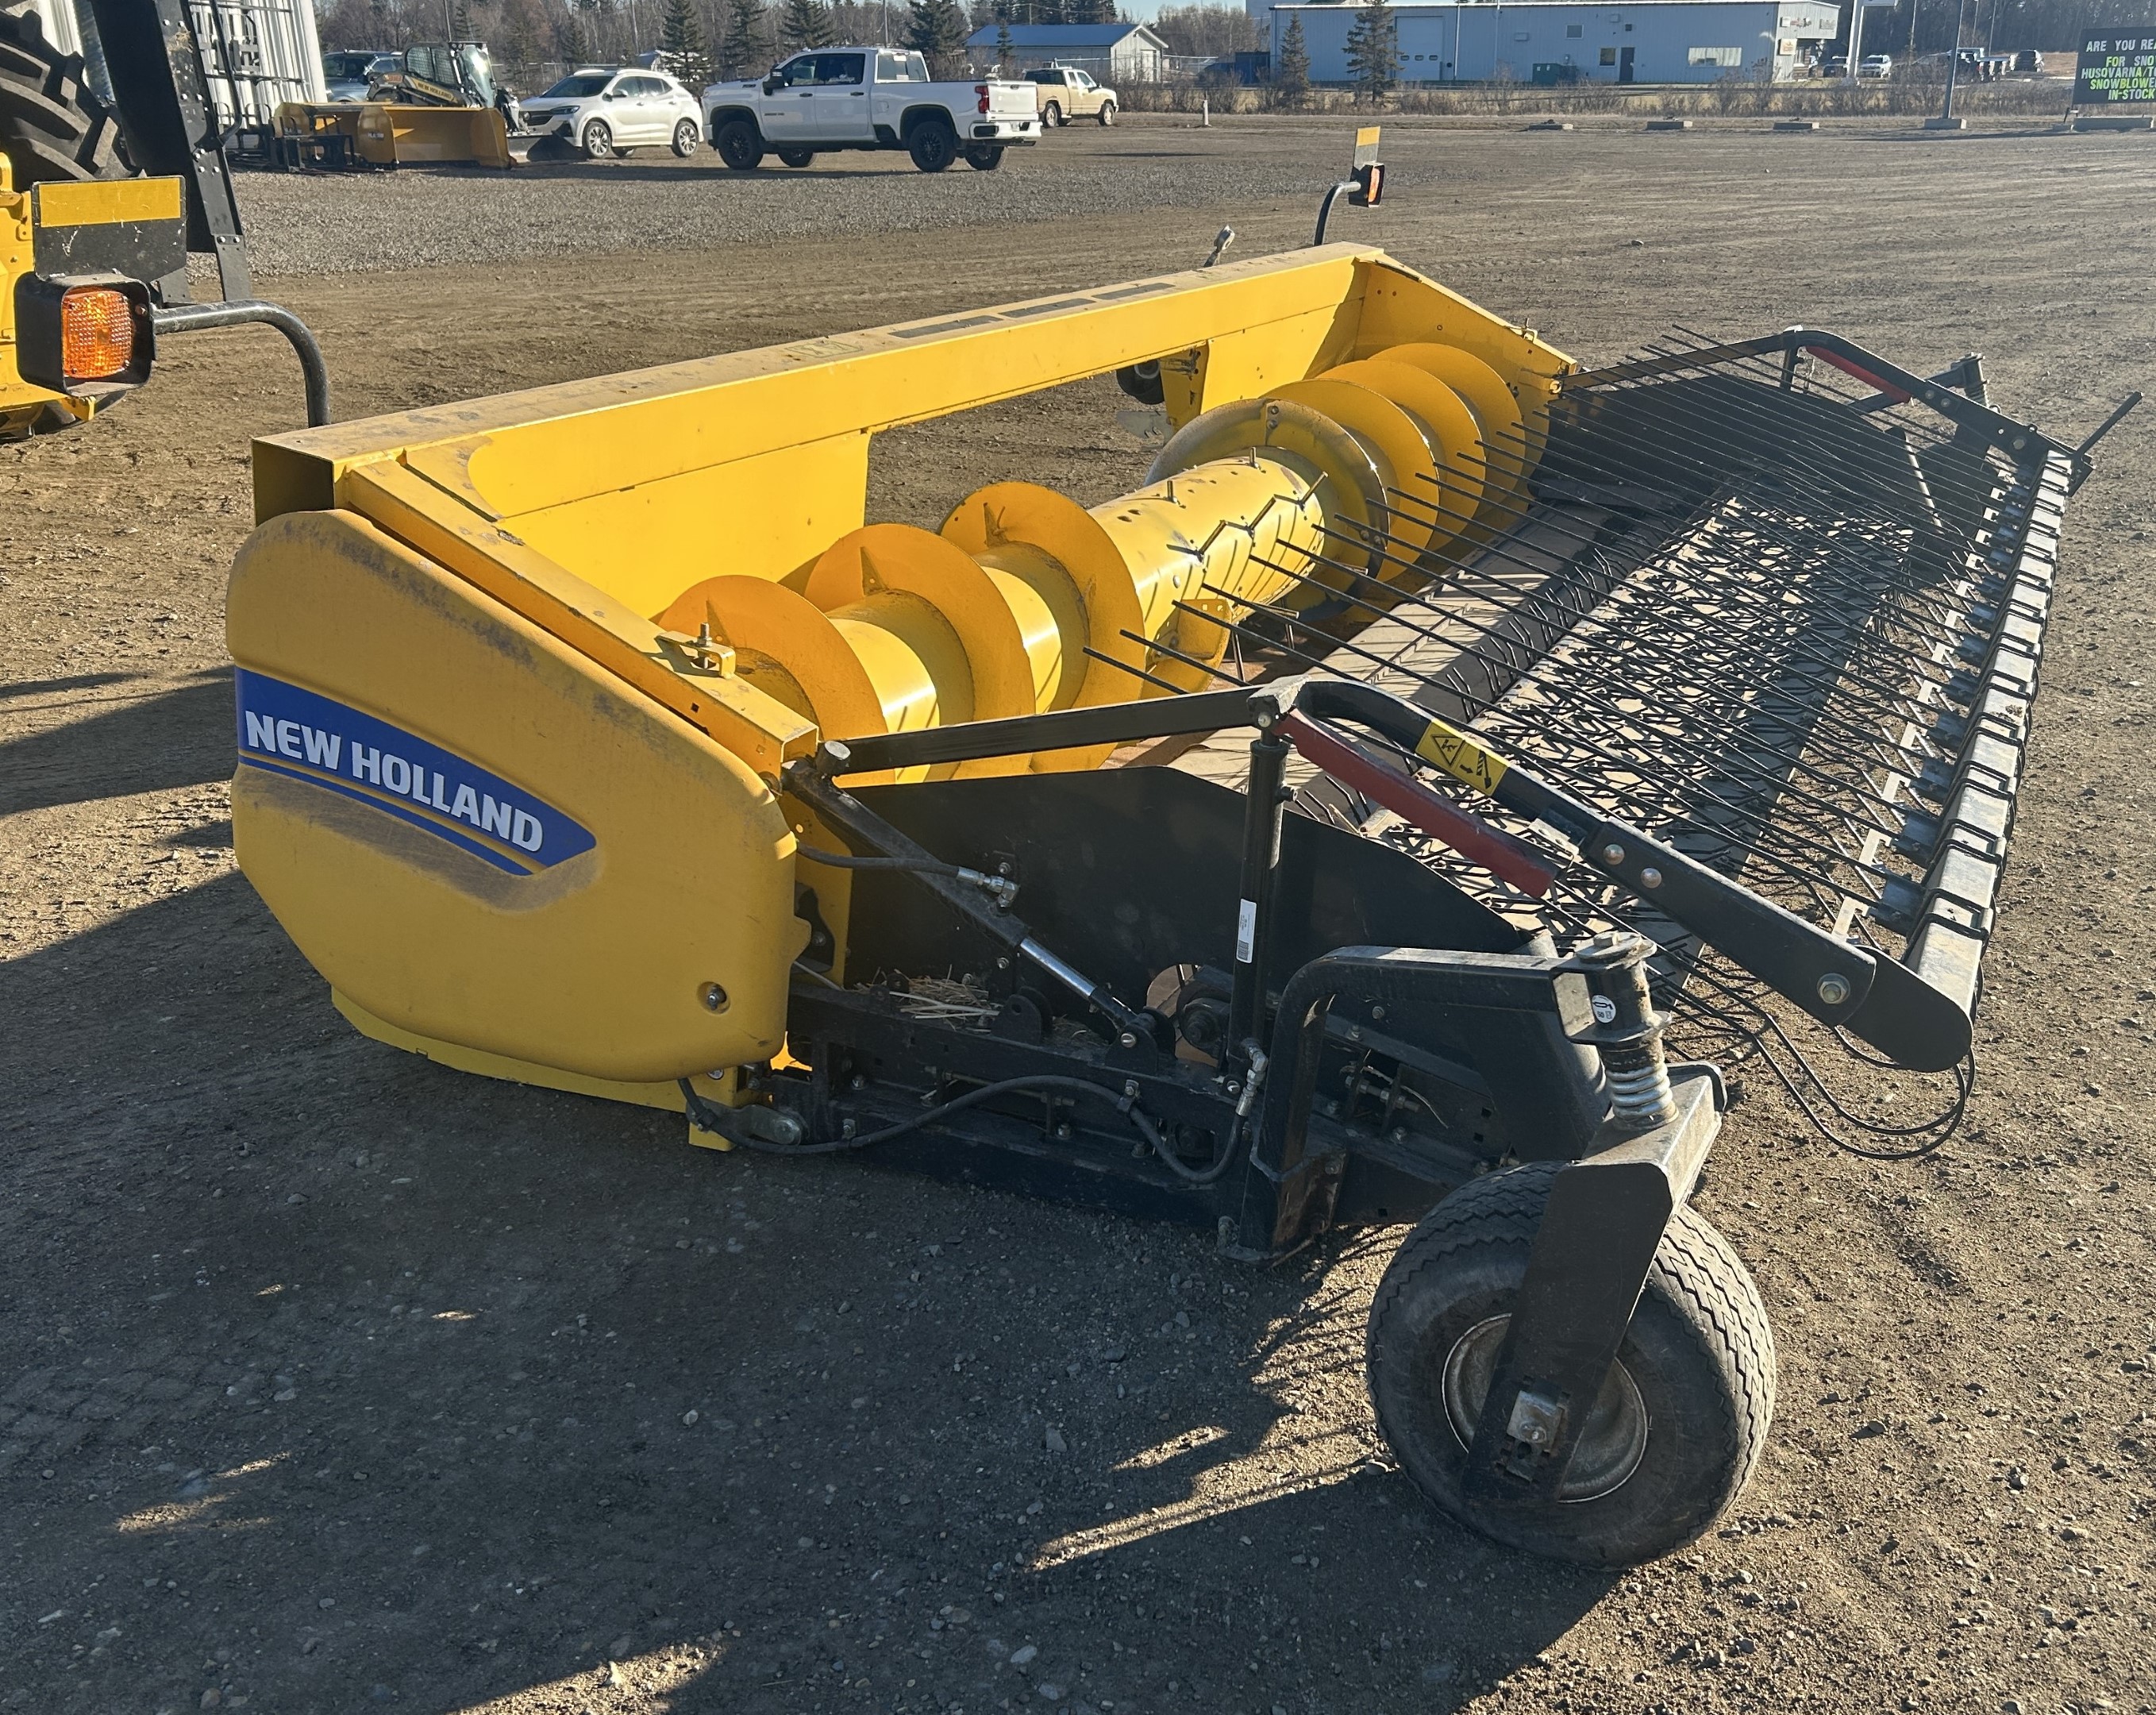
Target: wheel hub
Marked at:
1611, 1443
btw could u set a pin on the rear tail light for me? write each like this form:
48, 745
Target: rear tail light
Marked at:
84, 335
981, 90
97, 334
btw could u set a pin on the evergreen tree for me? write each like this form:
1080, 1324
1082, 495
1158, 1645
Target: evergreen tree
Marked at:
1291, 75
746, 51
460, 24
1004, 48
805, 23
681, 39
572, 39
1374, 52
935, 29
1089, 11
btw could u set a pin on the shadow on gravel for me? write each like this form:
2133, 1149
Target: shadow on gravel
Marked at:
180, 737
363, 1381
47, 687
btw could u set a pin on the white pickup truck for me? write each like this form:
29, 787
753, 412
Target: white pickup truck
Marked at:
867, 98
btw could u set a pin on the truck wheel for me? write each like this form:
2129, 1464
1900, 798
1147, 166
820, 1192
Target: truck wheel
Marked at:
797, 157
687, 137
1680, 1423
597, 141
932, 146
1107, 113
1051, 115
985, 157
740, 145
51, 125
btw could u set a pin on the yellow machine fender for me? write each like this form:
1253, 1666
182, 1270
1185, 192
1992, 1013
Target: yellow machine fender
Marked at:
486, 842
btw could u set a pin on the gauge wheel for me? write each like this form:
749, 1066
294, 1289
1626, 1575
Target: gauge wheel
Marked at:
985, 157
51, 127
687, 137
740, 145
1107, 113
797, 157
1051, 115
933, 147
595, 140
1680, 1422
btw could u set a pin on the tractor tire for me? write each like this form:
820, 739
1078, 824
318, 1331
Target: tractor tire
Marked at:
595, 140
1679, 1425
1108, 114
687, 138
740, 145
985, 157
52, 126
796, 157
933, 147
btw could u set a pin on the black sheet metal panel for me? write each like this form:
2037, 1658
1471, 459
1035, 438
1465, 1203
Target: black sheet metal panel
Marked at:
147, 250
1125, 871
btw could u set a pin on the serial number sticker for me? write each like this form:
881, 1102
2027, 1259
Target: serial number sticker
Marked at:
1460, 757
304, 736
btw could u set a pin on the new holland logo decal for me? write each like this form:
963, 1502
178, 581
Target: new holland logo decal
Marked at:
284, 730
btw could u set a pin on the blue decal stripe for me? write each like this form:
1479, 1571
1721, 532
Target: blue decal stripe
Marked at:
304, 736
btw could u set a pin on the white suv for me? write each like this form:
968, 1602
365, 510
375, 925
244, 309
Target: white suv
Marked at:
605, 110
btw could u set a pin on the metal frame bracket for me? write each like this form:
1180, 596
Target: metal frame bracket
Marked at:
1605, 1218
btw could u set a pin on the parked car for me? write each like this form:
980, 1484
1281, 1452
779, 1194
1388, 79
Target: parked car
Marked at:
868, 98
1067, 93
1875, 65
605, 109
349, 75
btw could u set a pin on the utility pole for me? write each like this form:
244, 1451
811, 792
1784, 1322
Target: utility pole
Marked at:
1953, 58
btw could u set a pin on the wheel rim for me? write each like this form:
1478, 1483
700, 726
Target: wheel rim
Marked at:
596, 140
1612, 1442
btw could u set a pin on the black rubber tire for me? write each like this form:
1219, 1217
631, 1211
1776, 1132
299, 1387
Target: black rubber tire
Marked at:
596, 140
1051, 115
1108, 114
985, 157
1699, 1351
796, 157
688, 137
933, 147
740, 145
51, 127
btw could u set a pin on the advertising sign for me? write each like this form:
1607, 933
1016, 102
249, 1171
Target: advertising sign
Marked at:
2118, 66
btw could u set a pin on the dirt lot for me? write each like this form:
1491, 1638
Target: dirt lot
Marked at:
330, 1379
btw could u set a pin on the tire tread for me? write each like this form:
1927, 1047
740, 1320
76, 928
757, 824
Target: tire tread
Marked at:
52, 126
1695, 1271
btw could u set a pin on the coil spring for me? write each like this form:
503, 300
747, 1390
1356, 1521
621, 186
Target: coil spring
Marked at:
1640, 1094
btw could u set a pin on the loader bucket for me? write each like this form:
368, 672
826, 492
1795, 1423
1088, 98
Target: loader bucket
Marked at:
391, 133
1777, 607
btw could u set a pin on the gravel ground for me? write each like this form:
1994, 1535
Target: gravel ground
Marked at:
330, 1380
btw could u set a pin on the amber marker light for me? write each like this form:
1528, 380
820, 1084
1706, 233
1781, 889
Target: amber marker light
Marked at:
97, 333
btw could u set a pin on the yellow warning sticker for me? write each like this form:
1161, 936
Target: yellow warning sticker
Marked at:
1460, 757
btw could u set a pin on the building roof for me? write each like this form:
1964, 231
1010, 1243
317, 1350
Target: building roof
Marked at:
1065, 38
